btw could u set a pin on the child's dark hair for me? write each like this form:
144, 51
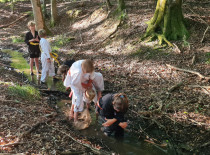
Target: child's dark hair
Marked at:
120, 102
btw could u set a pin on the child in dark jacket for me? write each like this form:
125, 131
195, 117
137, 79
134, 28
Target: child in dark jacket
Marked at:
111, 109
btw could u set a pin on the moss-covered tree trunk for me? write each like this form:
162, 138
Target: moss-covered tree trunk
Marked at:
167, 22
121, 5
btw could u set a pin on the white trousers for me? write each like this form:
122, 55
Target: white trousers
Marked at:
47, 69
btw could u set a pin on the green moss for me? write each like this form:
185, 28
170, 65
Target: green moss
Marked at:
26, 92
207, 58
18, 61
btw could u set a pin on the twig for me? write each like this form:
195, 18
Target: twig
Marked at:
37, 125
84, 144
204, 34
175, 86
204, 88
177, 50
189, 71
12, 144
193, 60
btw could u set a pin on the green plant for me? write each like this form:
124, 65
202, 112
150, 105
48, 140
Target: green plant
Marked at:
25, 92
62, 40
207, 58
17, 39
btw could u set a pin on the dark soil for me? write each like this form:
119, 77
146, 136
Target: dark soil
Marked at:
181, 115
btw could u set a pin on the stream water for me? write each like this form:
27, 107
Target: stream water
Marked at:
129, 146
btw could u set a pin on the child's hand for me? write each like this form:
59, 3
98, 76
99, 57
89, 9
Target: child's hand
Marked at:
48, 60
109, 122
37, 39
123, 124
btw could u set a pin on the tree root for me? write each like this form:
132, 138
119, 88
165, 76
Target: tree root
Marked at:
189, 71
160, 37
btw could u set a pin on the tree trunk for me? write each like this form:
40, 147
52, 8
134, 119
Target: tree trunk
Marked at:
167, 22
38, 17
44, 9
109, 5
121, 5
53, 12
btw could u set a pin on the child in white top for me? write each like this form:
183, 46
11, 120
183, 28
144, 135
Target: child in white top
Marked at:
80, 72
47, 61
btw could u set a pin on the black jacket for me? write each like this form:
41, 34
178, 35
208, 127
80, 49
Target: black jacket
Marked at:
107, 109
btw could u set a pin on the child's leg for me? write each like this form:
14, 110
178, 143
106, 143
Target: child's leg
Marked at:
31, 64
37, 64
45, 69
71, 115
75, 116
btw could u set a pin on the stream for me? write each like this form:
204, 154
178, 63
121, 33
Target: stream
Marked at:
131, 145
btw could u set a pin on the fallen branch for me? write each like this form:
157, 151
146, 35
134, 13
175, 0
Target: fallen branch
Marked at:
95, 150
4, 26
176, 48
204, 88
175, 86
38, 125
189, 71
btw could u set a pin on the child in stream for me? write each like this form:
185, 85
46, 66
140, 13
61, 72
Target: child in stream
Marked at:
47, 62
111, 109
80, 72
32, 40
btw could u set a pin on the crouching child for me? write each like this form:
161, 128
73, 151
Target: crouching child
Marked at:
111, 109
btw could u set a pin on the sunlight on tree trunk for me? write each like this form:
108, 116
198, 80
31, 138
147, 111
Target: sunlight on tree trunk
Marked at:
53, 13
167, 22
38, 17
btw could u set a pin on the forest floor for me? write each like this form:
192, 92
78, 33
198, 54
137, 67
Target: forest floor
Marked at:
164, 88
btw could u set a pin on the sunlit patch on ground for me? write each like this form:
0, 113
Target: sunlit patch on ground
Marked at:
96, 17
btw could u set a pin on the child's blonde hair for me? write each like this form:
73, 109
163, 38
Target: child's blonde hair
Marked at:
90, 94
31, 23
87, 66
63, 69
120, 102
42, 33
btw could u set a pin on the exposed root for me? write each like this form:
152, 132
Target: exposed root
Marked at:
189, 71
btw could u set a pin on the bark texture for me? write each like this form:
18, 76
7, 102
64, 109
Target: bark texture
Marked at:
38, 16
167, 22
53, 13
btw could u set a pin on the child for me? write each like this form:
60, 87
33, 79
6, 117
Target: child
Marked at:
32, 40
112, 108
80, 72
63, 69
47, 62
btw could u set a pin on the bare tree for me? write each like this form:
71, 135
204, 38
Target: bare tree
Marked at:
38, 16
54, 14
